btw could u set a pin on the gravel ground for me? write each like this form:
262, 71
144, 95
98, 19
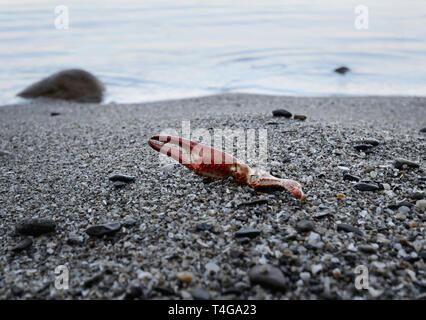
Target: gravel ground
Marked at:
175, 235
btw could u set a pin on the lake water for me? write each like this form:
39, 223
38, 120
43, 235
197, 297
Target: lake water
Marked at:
155, 50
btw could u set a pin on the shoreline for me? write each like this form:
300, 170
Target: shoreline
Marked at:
58, 168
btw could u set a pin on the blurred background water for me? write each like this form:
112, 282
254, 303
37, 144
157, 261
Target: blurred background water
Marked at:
161, 49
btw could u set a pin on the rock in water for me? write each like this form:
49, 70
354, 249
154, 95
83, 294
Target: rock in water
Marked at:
342, 70
74, 84
269, 277
281, 113
35, 227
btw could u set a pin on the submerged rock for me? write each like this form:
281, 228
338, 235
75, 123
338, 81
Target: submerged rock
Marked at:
342, 70
73, 84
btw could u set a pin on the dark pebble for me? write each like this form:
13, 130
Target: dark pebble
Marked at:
305, 226
103, 229
350, 177
119, 184
366, 187
422, 255
200, 294
165, 291
134, 292
54, 114
417, 195
272, 123
203, 226
341, 70
269, 277
400, 204
36, 227
93, 280
404, 163
122, 178
372, 142
243, 240
300, 117
16, 291
247, 233
281, 113
23, 244
367, 249
129, 223
423, 130
348, 228
253, 202
363, 147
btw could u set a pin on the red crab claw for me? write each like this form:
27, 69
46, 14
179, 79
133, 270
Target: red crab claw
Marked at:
212, 163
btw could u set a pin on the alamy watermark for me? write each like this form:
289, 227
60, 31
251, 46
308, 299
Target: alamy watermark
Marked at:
62, 18
361, 280
62, 278
361, 17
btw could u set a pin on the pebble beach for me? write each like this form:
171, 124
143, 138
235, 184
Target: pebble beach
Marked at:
81, 188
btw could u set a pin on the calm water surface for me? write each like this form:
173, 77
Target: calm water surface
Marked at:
154, 50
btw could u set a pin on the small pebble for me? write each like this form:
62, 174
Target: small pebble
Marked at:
305, 226
269, 277
423, 130
366, 187
23, 244
299, 117
122, 178
417, 195
103, 229
185, 277
350, 177
363, 147
36, 227
281, 113
421, 205
247, 233
404, 163
348, 228
342, 70
200, 294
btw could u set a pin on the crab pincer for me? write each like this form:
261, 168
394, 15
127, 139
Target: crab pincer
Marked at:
215, 164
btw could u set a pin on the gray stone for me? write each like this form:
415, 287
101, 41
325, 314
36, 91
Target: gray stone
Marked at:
269, 277
103, 229
200, 294
305, 226
36, 227
74, 84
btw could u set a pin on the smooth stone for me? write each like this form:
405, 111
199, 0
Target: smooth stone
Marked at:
134, 292
350, 177
373, 142
74, 238
417, 195
403, 210
400, 163
23, 244
247, 233
103, 229
73, 84
185, 277
122, 178
367, 248
36, 227
421, 204
348, 228
165, 291
200, 294
269, 277
54, 114
363, 147
400, 204
281, 113
300, 117
305, 226
129, 222
366, 187
342, 70
423, 130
